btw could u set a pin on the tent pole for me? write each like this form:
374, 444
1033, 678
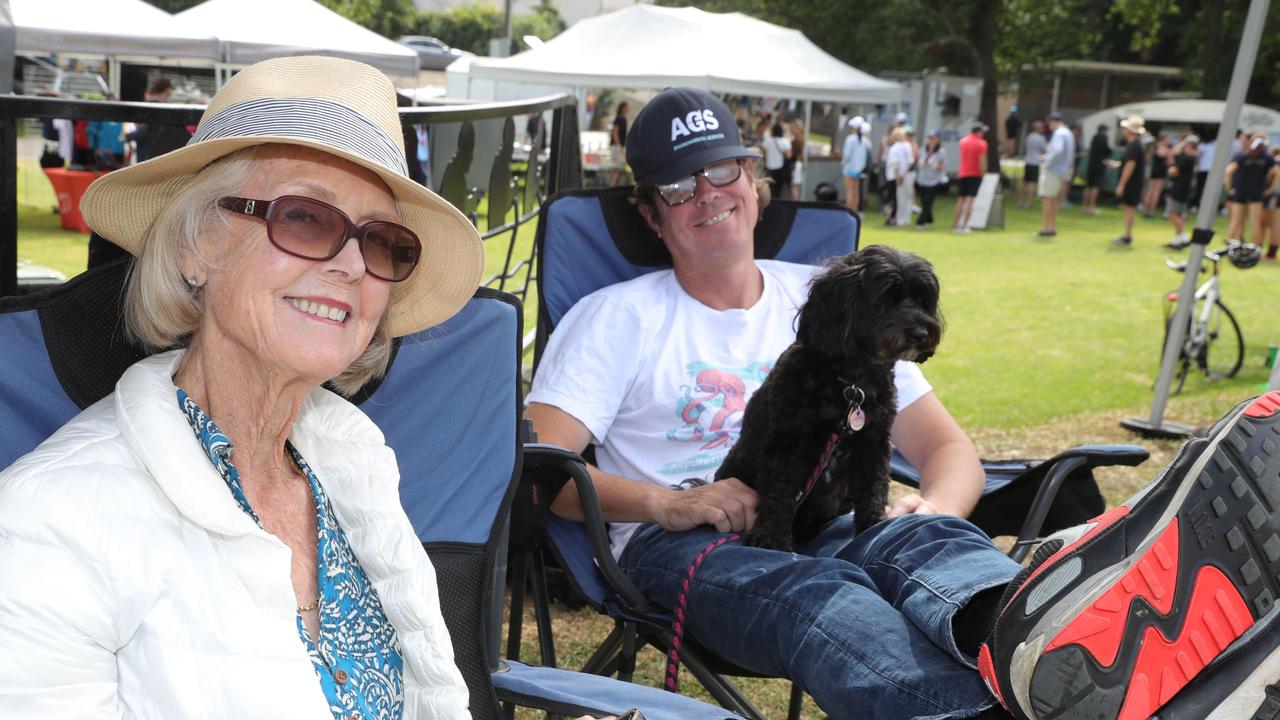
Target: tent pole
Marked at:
1155, 426
804, 152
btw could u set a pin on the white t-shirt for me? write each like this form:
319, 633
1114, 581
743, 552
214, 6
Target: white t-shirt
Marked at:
775, 152
662, 380
898, 163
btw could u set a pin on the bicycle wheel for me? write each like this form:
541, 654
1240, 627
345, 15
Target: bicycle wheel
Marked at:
1223, 351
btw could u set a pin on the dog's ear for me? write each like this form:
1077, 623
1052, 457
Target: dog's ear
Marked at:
825, 323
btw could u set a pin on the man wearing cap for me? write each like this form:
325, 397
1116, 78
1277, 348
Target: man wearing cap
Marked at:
655, 372
1054, 171
1132, 166
973, 165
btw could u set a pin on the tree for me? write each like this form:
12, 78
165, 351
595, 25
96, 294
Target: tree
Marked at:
388, 18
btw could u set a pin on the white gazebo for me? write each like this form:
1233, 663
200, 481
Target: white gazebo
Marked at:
253, 30
645, 46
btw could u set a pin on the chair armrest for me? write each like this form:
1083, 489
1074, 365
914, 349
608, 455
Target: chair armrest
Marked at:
1104, 455
541, 456
1057, 469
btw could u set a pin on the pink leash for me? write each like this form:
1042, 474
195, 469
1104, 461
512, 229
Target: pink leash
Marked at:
671, 683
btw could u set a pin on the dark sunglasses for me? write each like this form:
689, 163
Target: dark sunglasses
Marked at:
683, 190
314, 230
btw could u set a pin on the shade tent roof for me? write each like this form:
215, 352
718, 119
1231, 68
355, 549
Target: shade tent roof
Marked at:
1186, 112
644, 46
106, 27
253, 30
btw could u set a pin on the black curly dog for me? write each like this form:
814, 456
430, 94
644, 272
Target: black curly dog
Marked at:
831, 395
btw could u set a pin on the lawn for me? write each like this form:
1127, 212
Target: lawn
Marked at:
1049, 343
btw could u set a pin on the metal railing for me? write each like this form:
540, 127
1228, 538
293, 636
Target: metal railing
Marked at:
484, 175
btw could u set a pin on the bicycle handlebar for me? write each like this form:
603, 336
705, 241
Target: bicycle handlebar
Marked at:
1210, 255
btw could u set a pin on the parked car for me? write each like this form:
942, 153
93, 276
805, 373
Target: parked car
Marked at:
432, 53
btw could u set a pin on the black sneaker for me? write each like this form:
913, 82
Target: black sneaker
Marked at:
1114, 618
1123, 240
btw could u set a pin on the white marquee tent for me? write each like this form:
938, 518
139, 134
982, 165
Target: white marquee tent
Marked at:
644, 46
253, 30
106, 27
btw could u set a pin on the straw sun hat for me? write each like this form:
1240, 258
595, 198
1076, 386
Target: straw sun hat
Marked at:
1134, 124
340, 107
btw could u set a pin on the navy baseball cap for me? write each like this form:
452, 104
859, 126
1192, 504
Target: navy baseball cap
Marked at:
681, 131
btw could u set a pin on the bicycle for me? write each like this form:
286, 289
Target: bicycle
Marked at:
1213, 342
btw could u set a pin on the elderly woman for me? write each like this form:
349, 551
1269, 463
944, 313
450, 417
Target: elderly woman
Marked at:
221, 537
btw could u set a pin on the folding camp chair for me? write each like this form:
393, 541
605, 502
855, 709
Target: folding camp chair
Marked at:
576, 259
65, 348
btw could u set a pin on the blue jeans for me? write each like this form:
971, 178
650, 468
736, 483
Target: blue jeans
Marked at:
862, 625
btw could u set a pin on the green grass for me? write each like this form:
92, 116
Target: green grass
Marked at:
1044, 329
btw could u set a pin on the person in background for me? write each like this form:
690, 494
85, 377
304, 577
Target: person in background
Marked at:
1012, 130
854, 156
777, 150
1161, 156
1034, 146
617, 145
1096, 168
107, 139
1204, 161
887, 189
798, 139
903, 158
1055, 168
930, 173
1129, 186
1077, 152
1182, 174
1272, 209
1248, 177
158, 91
973, 165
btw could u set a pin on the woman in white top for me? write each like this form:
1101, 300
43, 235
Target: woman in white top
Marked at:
930, 173
777, 150
898, 168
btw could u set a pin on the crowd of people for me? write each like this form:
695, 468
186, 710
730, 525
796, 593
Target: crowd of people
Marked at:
105, 145
1162, 174
1157, 175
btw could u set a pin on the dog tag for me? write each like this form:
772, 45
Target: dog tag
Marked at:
857, 419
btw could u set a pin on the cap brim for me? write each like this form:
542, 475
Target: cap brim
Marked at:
689, 164
122, 205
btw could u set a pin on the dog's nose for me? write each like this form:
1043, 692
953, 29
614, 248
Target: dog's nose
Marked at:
918, 335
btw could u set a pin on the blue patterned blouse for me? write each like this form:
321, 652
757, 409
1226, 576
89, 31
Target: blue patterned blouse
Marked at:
357, 658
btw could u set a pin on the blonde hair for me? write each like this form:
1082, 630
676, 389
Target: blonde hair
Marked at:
162, 312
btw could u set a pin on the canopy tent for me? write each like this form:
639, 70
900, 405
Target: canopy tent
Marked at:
253, 30
106, 27
1182, 113
644, 46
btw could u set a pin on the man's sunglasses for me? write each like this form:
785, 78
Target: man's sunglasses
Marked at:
314, 230
682, 190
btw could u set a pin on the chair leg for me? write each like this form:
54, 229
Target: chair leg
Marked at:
604, 658
721, 688
515, 623
796, 704
627, 655
542, 605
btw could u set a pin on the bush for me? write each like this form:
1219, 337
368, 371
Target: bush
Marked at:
471, 27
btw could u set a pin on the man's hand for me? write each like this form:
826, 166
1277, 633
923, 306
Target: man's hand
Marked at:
912, 505
727, 504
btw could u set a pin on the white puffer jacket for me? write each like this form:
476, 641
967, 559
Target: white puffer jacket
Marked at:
133, 586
